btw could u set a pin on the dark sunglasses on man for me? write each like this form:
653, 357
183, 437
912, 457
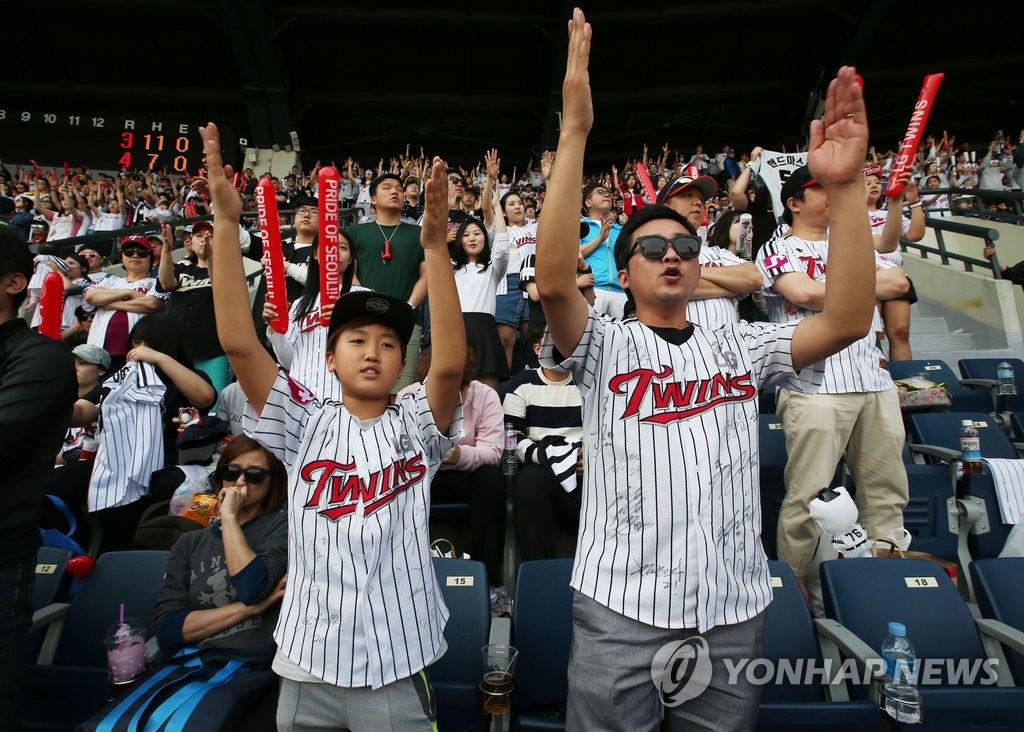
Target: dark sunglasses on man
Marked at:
253, 476
654, 246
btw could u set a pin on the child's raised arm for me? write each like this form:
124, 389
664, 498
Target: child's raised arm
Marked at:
254, 367
447, 329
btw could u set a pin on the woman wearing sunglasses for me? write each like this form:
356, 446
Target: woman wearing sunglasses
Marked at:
224, 583
120, 302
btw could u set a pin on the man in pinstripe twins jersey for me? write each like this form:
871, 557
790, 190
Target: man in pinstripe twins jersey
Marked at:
669, 528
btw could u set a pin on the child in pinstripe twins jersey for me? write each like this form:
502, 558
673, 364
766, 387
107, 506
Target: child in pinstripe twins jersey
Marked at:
362, 616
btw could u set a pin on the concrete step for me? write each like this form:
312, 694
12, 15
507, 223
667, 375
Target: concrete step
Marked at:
946, 343
927, 325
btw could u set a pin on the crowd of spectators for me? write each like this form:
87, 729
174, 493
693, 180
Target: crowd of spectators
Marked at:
139, 320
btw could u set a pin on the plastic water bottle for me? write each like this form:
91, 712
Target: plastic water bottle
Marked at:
899, 691
1004, 373
970, 448
745, 237
509, 462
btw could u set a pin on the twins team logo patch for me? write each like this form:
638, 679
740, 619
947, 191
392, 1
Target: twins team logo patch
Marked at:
774, 261
671, 401
344, 489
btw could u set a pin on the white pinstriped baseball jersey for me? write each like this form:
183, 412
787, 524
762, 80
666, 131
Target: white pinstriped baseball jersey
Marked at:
131, 437
714, 312
146, 285
522, 246
301, 349
362, 606
855, 369
671, 521
877, 219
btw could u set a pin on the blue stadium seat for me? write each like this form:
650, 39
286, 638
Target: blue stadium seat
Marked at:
73, 662
988, 540
456, 676
1000, 591
1017, 425
51, 580
984, 370
790, 640
772, 440
926, 514
542, 632
942, 429
865, 594
964, 400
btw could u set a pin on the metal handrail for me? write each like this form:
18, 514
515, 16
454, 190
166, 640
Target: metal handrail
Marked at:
939, 224
979, 194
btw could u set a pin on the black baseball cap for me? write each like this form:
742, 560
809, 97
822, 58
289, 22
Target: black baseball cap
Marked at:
798, 180
707, 185
368, 304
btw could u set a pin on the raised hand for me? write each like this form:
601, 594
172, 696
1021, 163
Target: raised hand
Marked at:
434, 234
226, 200
577, 102
492, 163
546, 163
839, 142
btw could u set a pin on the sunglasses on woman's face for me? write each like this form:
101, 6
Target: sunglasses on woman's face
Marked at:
134, 252
253, 476
654, 246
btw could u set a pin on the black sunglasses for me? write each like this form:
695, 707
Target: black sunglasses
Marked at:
231, 473
135, 252
654, 246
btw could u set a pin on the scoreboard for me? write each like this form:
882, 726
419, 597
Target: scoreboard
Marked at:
106, 141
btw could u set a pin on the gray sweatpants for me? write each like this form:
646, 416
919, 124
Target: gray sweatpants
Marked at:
610, 674
406, 704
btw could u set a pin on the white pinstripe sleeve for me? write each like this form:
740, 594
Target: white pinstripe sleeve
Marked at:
770, 346
583, 363
282, 423
415, 407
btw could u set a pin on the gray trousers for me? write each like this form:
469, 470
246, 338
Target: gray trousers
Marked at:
610, 674
406, 704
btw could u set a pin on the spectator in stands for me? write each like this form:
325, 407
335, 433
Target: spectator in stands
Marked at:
598, 249
298, 250
224, 584
479, 269
78, 333
469, 472
300, 349
412, 207
856, 409
743, 198
938, 204
122, 301
191, 305
631, 190
1014, 273
23, 214
543, 405
389, 259
37, 394
886, 230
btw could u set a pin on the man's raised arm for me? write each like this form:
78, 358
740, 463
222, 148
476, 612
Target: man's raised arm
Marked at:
559, 229
838, 146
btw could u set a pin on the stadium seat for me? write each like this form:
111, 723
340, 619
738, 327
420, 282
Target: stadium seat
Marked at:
942, 429
456, 676
73, 663
790, 641
1000, 593
542, 633
957, 692
772, 440
981, 373
926, 515
1017, 425
963, 399
51, 580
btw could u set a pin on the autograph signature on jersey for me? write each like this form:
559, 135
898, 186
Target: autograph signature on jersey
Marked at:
345, 490
676, 400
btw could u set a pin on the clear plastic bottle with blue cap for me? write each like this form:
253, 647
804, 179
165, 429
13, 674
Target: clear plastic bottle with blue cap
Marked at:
899, 691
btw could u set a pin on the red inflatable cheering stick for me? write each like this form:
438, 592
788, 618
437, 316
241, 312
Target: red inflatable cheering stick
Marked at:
645, 181
51, 305
328, 188
273, 255
915, 130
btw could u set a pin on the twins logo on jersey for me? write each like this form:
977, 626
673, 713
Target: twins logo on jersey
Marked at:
345, 489
311, 322
776, 260
300, 393
678, 400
